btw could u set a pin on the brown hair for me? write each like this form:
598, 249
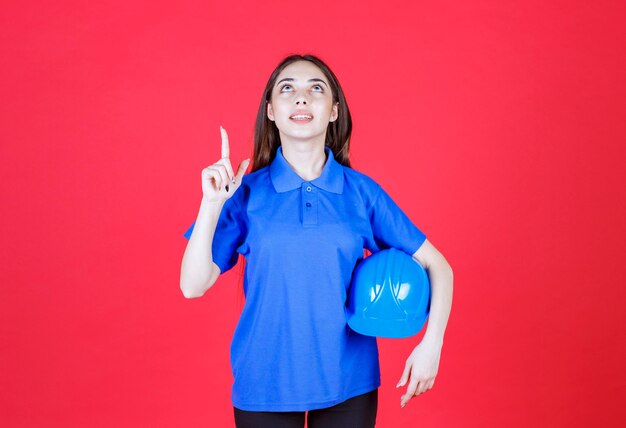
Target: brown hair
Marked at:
266, 136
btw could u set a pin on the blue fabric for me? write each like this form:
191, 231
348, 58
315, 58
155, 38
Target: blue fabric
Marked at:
292, 349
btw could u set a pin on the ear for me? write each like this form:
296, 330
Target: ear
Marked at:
270, 112
334, 114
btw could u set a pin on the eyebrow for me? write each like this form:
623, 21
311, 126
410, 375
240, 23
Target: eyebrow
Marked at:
291, 79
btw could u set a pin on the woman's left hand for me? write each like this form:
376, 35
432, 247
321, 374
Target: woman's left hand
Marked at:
422, 366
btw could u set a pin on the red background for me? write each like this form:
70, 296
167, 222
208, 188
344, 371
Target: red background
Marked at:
498, 126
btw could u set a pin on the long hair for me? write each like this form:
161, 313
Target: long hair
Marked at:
266, 136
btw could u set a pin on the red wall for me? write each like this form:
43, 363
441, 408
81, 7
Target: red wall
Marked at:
498, 126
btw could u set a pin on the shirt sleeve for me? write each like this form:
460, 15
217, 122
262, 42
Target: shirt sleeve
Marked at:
391, 227
229, 235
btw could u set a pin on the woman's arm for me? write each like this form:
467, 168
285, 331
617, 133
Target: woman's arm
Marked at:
219, 183
198, 271
441, 278
423, 363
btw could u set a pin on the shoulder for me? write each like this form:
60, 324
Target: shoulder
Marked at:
361, 183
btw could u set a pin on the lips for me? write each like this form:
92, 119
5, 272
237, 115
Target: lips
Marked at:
301, 116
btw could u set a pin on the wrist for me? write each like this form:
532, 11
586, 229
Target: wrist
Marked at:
211, 204
434, 340
210, 209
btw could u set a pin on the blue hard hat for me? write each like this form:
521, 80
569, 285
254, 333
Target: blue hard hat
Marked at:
389, 295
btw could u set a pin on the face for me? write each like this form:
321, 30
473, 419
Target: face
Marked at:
301, 102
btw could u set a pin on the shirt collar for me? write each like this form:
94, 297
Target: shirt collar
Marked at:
284, 178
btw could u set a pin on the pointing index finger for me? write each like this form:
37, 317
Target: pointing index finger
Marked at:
225, 148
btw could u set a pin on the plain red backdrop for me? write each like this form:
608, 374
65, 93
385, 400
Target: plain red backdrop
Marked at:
498, 126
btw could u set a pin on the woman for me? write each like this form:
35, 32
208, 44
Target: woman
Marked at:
301, 219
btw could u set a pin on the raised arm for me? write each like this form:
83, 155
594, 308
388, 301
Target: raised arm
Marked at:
198, 271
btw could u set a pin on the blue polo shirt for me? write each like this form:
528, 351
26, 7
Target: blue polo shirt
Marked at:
292, 349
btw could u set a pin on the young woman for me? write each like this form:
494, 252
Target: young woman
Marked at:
301, 218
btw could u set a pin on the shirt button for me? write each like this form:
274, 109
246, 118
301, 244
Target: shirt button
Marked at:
308, 204
308, 188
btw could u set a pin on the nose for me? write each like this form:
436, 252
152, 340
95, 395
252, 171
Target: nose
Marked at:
301, 98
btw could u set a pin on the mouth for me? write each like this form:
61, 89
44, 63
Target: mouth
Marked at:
301, 116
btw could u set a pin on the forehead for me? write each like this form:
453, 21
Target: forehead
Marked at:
302, 70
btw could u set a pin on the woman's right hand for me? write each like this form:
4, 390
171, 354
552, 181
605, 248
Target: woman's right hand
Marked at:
219, 182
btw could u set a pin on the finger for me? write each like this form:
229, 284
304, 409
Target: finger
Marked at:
225, 147
229, 168
421, 387
242, 169
412, 387
409, 392
213, 177
405, 375
405, 400
220, 176
222, 172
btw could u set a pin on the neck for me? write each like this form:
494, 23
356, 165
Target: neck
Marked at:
305, 159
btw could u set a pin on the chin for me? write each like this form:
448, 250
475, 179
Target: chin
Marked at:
303, 136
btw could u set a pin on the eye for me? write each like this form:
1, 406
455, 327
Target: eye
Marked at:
286, 85
320, 88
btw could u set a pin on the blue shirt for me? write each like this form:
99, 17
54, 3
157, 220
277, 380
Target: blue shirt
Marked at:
292, 349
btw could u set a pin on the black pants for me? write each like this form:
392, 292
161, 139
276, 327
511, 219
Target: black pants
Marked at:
356, 412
